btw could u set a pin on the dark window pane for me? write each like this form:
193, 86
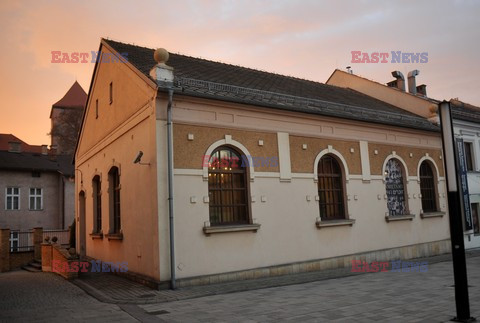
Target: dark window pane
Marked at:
468, 155
427, 188
330, 189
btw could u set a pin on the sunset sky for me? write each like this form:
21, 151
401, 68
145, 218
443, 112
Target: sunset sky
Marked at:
306, 39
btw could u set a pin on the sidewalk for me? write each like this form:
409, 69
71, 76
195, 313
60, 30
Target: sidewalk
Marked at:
115, 289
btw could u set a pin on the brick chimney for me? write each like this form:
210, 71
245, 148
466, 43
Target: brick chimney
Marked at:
422, 90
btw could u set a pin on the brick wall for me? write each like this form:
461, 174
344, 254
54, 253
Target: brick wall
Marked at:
4, 250
19, 259
62, 261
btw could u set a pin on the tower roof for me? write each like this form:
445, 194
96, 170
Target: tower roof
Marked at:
74, 98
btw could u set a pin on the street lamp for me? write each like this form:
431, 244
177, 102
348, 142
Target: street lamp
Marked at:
454, 211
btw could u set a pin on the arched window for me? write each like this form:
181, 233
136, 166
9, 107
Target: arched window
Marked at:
331, 189
227, 188
97, 204
114, 197
395, 186
427, 188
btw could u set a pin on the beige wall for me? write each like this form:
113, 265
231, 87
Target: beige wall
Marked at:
289, 209
130, 93
396, 97
114, 139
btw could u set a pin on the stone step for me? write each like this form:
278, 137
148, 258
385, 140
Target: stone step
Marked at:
31, 269
36, 264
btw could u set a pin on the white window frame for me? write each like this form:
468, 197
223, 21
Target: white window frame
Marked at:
35, 196
13, 196
13, 238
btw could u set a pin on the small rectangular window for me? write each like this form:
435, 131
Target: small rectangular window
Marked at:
468, 156
96, 109
35, 174
476, 224
111, 92
12, 198
35, 199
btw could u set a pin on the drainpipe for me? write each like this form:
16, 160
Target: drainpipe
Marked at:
170, 186
163, 74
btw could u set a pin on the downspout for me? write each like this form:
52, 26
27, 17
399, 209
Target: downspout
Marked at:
163, 75
170, 186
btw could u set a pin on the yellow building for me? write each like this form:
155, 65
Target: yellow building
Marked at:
270, 174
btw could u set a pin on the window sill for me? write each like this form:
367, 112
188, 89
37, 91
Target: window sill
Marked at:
432, 215
404, 217
334, 223
96, 235
231, 228
114, 236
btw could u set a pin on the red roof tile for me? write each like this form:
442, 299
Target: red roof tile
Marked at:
74, 98
6, 138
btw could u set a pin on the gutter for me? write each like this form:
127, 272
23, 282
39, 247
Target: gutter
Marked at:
170, 186
163, 75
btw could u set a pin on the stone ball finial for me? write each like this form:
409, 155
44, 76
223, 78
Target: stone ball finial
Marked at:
161, 55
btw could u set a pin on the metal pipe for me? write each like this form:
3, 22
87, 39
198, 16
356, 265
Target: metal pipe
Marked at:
170, 187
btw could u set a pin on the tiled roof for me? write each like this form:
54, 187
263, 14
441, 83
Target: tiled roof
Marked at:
26, 161
74, 98
6, 138
208, 79
464, 111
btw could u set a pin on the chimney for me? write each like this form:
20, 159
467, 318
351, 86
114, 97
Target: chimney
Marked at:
161, 72
400, 82
412, 84
44, 150
14, 147
422, 90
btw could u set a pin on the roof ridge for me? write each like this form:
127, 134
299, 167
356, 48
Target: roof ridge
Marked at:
223, 63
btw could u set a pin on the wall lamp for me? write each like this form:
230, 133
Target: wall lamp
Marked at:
138, 159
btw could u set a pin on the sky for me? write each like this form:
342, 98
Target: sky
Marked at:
305, 39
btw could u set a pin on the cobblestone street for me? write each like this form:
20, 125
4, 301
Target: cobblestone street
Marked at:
46, 297
386, 297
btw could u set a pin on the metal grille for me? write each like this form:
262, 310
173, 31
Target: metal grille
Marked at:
21, 241
227, 188
330, 189
427, 188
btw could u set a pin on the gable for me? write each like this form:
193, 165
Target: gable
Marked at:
130, 94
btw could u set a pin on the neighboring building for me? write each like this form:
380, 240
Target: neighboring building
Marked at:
66, 117
333, 174
36, 186
466, 122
